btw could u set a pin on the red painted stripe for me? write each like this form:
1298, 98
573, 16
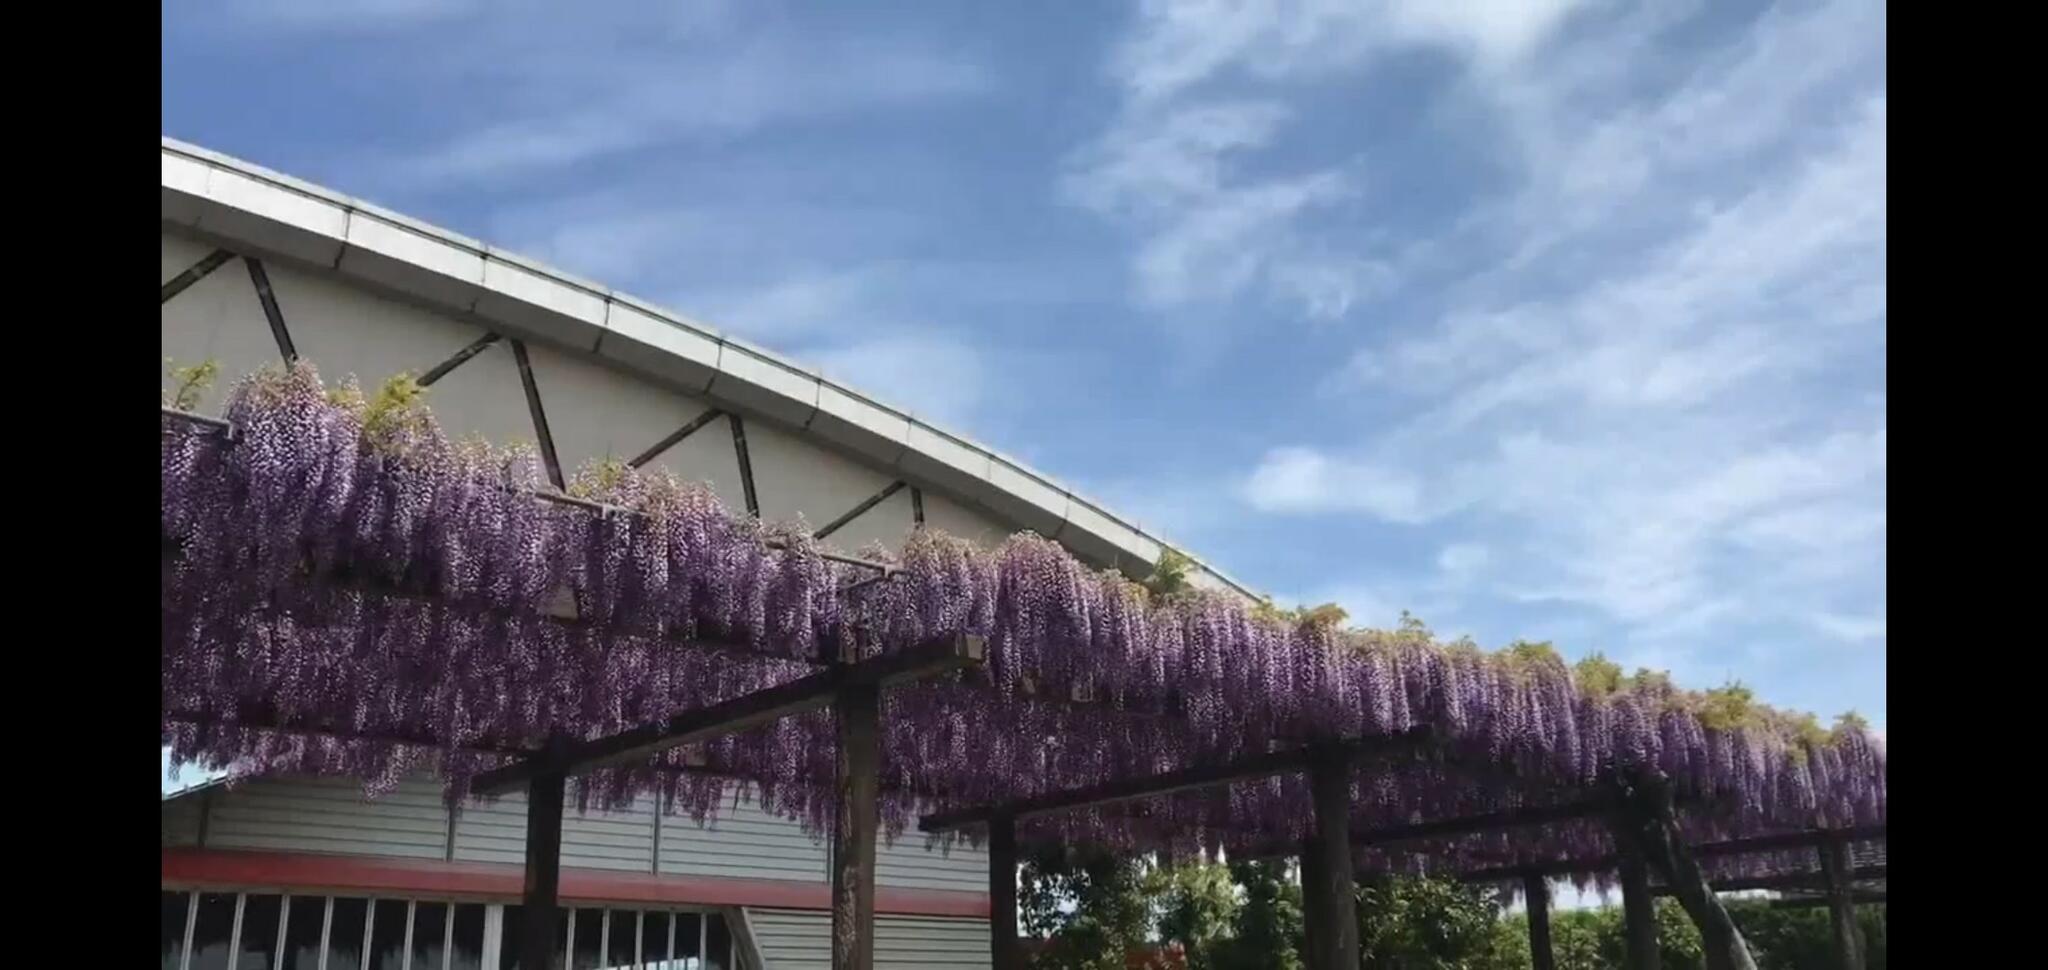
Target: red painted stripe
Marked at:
291, 870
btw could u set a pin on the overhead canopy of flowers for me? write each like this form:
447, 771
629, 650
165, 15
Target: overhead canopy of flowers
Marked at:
400, 601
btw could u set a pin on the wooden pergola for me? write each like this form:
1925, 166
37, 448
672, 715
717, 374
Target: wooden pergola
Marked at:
1638, 808
1835, 880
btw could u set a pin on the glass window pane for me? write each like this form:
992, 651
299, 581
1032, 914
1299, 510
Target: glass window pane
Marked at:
258, 946
302, 933
589, 938
688, 940
212, 930
508, 958
345, 934
171, 941
387, 935
718, 943
622, 941
654, 941
429, 939
469, 937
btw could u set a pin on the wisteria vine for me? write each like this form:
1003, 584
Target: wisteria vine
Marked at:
397, 600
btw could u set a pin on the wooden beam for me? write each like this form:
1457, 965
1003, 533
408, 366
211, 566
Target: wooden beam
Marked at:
1647, 834
805, 694
1602, 863
1638, 913
1129, 789
1536, 894
1511, 818
856, 713
1310, 863
1329, 902
1835, 866
256, 717
540, 948
1005, 953
1809, 902
1783, 880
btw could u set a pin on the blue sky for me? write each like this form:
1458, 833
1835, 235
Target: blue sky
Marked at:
1555, 320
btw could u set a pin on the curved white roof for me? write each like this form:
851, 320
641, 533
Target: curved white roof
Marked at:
232, 200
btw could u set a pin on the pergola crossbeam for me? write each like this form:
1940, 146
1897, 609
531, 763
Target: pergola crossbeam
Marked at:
1764, 843
1284, 761
1785, 880
805, 694
1812, 902
1512, 818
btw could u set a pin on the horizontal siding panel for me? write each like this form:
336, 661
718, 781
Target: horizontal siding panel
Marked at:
609, 840
181, 820
743, 842
330, 816
492, 831
910, 865
496, 832
802, 940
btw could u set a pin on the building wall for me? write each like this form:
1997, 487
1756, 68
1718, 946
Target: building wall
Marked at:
801, 939
591, 409
332, 816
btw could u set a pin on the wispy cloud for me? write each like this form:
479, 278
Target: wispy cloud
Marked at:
1669, 393
545, 88
1298, 479
1190, 171
640, 102
347, 17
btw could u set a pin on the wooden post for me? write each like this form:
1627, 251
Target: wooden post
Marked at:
1646, 829
539, 946
1004, 953
1834, 864
1329, 903
1638, 912
1311, 873
1536, 893
856, 712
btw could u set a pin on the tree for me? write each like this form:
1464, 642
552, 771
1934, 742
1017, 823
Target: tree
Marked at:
1198, 908
1267, 934
1409, 923
1090, 906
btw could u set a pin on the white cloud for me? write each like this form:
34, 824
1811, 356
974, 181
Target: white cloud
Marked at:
1463, 558
1173, 164
347, 16
1207, 232
1666, 403
1304, 480
934, 377
1851, 629
554, 88
1178, 44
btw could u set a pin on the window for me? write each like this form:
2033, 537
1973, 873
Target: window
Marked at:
262, 917
213, 931
305, 919
654, 941
345, 933
689, 943
467, 949
429, 936
265, 931
586, 940
508, 952
171, 939
717, 944
622, 939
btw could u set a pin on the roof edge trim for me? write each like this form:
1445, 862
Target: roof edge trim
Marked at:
222, 196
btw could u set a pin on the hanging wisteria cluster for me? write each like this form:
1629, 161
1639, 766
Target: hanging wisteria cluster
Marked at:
339, 568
